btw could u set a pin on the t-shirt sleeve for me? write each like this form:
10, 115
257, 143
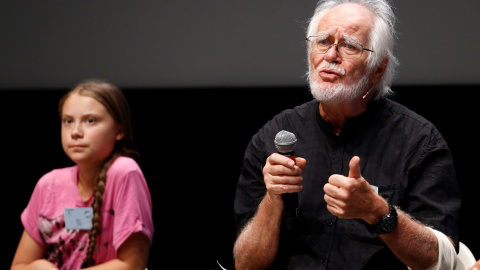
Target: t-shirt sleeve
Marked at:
132, 203
30, 214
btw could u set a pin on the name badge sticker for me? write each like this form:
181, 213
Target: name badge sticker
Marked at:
78, 218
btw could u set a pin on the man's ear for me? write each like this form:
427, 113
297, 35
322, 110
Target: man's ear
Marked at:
379, 70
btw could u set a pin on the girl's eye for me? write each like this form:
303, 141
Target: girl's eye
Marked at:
90, 120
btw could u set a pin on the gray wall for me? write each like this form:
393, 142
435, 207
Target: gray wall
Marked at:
191, 43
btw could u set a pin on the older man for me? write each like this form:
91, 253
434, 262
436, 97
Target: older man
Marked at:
373, 183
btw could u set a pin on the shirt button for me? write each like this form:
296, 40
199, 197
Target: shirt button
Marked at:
329, 223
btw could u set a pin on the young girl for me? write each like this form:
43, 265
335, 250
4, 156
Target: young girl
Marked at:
98, 212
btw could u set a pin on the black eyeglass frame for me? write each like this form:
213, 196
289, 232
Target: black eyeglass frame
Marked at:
307, 39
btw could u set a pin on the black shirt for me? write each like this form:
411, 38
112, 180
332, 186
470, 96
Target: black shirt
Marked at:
401, 153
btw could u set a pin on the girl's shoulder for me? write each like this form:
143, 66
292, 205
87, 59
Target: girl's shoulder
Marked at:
124, 165
58, 176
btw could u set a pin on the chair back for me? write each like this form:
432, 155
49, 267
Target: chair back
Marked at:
465, 258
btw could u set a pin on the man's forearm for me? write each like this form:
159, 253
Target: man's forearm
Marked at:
414, 244
257, 244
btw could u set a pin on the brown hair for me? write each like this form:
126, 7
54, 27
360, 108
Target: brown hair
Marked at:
116, 104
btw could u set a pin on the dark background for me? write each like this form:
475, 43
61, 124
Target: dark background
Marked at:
191, 143
201, 78
190, 43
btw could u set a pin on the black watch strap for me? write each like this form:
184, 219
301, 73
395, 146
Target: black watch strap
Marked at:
388, 222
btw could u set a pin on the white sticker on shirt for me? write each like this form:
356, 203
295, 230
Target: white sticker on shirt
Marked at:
79, 218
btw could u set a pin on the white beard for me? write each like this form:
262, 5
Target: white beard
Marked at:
339, 92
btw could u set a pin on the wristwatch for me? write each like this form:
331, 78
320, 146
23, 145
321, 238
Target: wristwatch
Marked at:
387, 223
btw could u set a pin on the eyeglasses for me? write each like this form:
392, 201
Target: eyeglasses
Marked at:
348, 50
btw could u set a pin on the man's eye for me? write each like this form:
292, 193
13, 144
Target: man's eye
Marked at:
351, 47
323, 42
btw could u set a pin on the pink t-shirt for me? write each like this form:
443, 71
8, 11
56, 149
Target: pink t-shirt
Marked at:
126, 209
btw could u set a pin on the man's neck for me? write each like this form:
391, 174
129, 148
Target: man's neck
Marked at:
337, 114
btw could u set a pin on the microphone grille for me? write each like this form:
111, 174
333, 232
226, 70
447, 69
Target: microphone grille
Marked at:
285, 141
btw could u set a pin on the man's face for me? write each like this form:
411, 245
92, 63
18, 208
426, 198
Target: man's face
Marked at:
335, 77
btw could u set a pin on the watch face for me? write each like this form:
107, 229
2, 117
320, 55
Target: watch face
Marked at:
388, 222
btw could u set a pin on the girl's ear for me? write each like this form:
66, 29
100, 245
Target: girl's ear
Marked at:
120, 133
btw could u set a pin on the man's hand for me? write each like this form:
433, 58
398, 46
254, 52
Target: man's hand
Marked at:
282, 175
352, 197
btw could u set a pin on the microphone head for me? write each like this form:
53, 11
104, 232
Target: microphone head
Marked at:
285, 141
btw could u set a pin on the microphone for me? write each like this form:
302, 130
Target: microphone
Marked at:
285, 143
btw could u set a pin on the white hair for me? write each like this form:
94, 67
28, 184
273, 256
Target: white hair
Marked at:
382, 38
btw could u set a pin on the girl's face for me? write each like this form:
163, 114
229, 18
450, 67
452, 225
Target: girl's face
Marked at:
89, 132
